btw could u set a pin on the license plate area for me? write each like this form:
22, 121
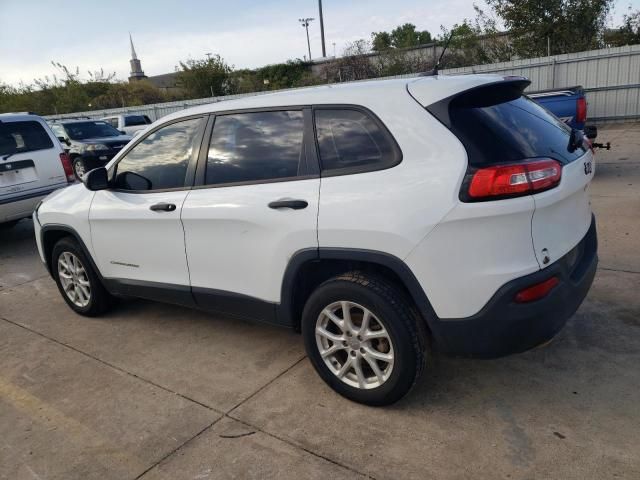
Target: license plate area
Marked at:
17, 173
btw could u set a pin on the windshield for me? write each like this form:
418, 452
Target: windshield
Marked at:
84, 130
135, 120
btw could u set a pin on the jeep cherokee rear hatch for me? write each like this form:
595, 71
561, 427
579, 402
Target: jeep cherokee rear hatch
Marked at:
515, 147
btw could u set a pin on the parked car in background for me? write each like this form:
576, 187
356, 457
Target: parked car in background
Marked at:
128, 124
89, 143
437, 223
569, 105
32, 165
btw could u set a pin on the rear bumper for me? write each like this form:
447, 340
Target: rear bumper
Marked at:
21, 206
503, 327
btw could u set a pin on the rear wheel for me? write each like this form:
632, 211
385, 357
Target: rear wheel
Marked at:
364, 339
77, 281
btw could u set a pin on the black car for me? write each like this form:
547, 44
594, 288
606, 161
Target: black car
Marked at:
89, 143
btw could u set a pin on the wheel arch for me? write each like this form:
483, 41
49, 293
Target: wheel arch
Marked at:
52, 233
308, 268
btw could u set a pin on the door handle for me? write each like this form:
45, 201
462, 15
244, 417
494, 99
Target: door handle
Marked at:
163, 207
294, 204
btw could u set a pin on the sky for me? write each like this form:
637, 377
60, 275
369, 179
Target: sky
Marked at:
94, 34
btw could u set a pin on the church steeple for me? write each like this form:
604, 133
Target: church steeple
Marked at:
136, 66
133, 50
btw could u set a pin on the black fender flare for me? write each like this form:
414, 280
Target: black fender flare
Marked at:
72, 232
393, 263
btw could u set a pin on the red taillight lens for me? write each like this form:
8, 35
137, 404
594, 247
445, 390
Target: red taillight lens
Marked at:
514, 179
581, 110
537, 291
66, 165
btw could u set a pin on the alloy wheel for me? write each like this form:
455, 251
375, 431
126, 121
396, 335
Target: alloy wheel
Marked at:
78, 167
354, 344
74, 279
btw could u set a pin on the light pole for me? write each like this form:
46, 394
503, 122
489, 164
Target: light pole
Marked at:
324, 52
305, 23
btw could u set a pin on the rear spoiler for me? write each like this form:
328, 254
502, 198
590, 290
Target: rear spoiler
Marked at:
482, 95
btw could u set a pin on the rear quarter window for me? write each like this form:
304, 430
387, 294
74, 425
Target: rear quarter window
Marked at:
18, 137
353, 141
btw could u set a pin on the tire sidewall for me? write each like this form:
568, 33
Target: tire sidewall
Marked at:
68, 245
405, 362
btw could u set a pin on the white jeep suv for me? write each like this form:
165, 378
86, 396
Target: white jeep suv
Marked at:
381, 219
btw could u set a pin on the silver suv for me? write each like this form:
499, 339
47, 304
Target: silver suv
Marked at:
32, 165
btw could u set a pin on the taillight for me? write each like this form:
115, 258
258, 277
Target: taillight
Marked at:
68, 168
537, 291
581, 110
512, 180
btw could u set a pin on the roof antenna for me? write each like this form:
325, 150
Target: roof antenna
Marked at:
434, 72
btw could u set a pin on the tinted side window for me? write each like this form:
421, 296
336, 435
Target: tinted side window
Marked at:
18, 137
255, 146
352, 140
160, 161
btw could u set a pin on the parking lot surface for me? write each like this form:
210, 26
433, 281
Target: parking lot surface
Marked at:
157, 391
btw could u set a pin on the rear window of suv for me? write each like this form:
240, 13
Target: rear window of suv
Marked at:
17, 137
500, 125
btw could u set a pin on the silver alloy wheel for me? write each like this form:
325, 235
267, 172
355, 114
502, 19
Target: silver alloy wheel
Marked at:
74, 279
354, 345
78, 167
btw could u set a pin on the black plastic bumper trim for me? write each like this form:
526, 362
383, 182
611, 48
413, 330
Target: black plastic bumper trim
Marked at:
503, 327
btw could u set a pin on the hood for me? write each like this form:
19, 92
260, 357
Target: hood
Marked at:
119, 140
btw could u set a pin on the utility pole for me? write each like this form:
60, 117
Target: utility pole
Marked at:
305, 23
324, 52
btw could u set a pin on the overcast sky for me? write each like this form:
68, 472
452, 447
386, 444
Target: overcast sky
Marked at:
92, 34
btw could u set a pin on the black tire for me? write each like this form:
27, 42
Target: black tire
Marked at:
78, 163
99, 300
394, 311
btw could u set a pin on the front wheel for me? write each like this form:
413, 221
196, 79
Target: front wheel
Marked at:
77, 281
364, 339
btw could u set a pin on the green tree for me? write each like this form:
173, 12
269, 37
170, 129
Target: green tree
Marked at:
407, 36
380, 41
403, 36
568, 25
628, 33
204, 78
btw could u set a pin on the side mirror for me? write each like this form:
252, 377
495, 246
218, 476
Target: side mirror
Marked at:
123, 132
96, 179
